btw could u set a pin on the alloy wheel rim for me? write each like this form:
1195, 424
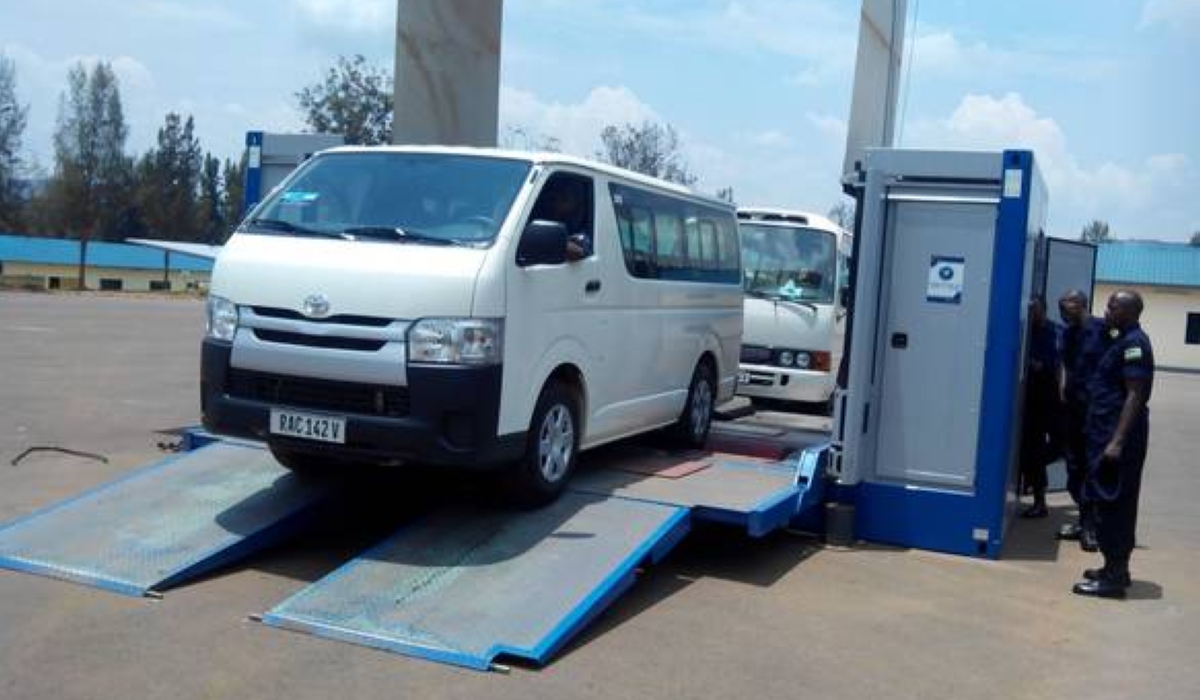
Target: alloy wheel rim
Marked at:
556, 442
702, 405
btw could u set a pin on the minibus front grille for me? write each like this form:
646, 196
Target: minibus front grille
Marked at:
340, 319
319, 394
319, 341
756, 355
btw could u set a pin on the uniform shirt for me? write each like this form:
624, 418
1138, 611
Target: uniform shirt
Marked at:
1129, 356
1082, 347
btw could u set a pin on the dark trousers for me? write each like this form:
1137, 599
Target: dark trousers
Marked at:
1040, 434
1075, 454
1115, 487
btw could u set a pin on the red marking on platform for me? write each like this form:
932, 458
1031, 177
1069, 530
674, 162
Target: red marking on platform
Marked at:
665, 469
748, 446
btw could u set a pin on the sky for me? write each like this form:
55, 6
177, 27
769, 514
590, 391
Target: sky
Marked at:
1106, 92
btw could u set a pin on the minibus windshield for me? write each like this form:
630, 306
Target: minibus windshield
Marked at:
788, 262
421, 198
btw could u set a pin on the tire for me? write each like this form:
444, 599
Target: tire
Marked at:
551, 448
691, 430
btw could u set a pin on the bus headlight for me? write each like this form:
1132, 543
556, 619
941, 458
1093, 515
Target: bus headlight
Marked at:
786, 358
456, 341
803, 360
222, 319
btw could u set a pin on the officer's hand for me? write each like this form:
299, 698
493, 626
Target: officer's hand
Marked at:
1112, 453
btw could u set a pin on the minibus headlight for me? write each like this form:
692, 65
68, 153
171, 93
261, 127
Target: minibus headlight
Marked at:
803, 360
456, 341
222, 318
786, 358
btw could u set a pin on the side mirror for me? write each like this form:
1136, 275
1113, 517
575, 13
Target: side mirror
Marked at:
543, 243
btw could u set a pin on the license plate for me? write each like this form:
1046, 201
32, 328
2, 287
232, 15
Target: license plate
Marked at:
309, 426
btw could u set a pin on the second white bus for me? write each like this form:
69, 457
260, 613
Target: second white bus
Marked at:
795, 268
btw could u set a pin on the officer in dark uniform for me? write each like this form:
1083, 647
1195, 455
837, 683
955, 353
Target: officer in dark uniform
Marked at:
1085, 339
1040, 435
1118, 432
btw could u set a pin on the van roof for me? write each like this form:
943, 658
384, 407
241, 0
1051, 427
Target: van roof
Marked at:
541, 158
773, 215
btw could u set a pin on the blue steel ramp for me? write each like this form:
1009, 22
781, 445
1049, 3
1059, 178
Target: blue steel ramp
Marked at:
164, 523
761, 496
465, 586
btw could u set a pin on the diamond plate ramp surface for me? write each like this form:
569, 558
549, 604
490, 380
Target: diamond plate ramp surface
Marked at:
464, 586
164, 523
762, 496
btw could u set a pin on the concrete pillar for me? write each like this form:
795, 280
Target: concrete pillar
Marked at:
447, 72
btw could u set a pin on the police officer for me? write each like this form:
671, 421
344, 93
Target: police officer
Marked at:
1085, 339
1118, 431
1040, 435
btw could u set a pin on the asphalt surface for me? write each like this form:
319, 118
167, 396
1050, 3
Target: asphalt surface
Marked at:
721, 617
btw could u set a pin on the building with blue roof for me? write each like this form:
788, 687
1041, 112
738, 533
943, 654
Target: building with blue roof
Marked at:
53, 263
1167, 275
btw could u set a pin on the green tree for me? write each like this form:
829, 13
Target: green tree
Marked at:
842, 214
651, 149
13, 118
523, 138
211, 210
91, 172
1196, 239
354, 100
168, 181
1096, 232
233, 176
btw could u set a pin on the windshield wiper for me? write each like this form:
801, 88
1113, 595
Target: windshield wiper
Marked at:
777, 297
289, 227
395, 233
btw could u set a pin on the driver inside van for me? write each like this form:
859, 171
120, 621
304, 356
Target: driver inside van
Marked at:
564, 201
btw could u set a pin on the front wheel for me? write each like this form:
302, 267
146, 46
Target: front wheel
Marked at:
551, 448
691, 430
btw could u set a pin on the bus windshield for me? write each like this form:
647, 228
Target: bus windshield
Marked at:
789, 262
423, 198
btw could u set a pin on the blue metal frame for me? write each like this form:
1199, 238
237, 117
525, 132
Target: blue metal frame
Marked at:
944, 519
252, 192
201, 563
652, 550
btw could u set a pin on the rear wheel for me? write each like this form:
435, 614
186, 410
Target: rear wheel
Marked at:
551, 448
691, 430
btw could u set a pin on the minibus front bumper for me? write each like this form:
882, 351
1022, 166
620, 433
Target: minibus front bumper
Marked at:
446, 416
780, 384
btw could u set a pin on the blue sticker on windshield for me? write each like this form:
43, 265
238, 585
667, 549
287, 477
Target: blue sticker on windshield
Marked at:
294, 197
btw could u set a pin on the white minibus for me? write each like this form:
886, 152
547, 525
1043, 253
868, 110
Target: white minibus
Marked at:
471, 308
795, 272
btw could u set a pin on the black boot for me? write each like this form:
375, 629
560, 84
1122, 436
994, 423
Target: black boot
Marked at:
1102, 587
1069, 531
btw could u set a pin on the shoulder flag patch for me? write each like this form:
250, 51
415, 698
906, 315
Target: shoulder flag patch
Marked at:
1133, 353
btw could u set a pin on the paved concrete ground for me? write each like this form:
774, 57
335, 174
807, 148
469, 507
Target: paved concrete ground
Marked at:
722, 617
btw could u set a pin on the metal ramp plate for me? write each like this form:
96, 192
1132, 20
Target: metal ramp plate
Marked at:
162, 524
464, 586
762, 496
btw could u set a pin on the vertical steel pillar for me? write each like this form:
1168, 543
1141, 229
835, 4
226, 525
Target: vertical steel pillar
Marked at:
447, 87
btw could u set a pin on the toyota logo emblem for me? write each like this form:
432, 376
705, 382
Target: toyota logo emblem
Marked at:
316, 306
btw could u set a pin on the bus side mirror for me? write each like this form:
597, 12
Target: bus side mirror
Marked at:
543, 243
